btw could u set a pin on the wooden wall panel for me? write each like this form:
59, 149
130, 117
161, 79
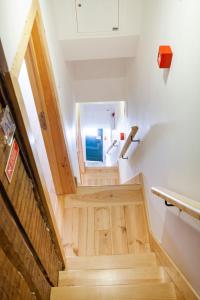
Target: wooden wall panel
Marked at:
15, 246
25, 232
27, 210
12, 283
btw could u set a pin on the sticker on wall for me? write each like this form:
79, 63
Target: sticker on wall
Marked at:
12, 159
7, 126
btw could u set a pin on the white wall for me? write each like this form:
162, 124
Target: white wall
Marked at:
99, 80
65, 13
98, 45
12, 20
62, 74
166, 107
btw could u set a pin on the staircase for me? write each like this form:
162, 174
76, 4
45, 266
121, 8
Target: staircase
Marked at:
119, 267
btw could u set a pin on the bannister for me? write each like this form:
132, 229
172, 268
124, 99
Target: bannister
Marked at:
111, 146
185, 204
129, 140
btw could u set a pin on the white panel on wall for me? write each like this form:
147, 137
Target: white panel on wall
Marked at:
97, 15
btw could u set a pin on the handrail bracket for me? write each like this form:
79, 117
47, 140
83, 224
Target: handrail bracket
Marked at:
135, 141
168, 204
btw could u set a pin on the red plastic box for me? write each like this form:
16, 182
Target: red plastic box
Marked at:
165, 57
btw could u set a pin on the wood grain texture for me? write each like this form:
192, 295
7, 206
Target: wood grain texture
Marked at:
119, 230
159, 291
127, 261
12, 283
16, 249
107, 222
94, 176
111, 277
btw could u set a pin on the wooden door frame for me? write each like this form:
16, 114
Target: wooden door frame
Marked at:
79, 144
35, 52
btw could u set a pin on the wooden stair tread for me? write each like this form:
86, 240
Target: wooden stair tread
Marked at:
111, 261
111, 277
107, 197
93, 189
156, 291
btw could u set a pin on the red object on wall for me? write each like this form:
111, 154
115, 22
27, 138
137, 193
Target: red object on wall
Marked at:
12, 159
122, 136
165, 57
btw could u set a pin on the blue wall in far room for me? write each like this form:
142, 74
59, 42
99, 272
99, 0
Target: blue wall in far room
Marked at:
94, 147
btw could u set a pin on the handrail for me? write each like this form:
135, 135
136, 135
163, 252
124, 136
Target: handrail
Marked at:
129, 140
111, 146
185, 204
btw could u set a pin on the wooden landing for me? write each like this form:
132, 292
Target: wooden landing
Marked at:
107, 222
94, 176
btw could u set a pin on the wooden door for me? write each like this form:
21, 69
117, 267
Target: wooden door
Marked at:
97, 15
44, 92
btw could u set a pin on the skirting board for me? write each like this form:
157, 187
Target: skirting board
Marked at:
183, 287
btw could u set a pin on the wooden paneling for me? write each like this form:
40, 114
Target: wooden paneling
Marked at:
12, 283
119, 231
21, 194
13, 244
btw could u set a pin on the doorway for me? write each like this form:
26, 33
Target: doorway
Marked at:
94, 146
98, 143
43, 88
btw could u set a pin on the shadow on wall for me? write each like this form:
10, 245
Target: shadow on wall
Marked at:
181, 238
166, 73
152, 138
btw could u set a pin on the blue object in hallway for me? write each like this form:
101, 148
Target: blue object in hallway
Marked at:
94, 147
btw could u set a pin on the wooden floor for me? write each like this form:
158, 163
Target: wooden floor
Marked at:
106, 243
105, 222
98, 176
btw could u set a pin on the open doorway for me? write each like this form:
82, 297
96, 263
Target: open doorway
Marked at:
98, 130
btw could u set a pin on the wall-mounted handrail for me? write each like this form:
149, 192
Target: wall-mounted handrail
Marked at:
129, 140
111, 146
185, 204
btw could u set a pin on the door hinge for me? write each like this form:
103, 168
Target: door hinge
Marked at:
42, 120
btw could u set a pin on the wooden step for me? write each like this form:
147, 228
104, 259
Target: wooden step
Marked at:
93, 189
159, 291
128, 261
111, 277
96, 198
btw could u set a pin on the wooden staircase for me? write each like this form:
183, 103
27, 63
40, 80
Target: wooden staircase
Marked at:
128, 272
